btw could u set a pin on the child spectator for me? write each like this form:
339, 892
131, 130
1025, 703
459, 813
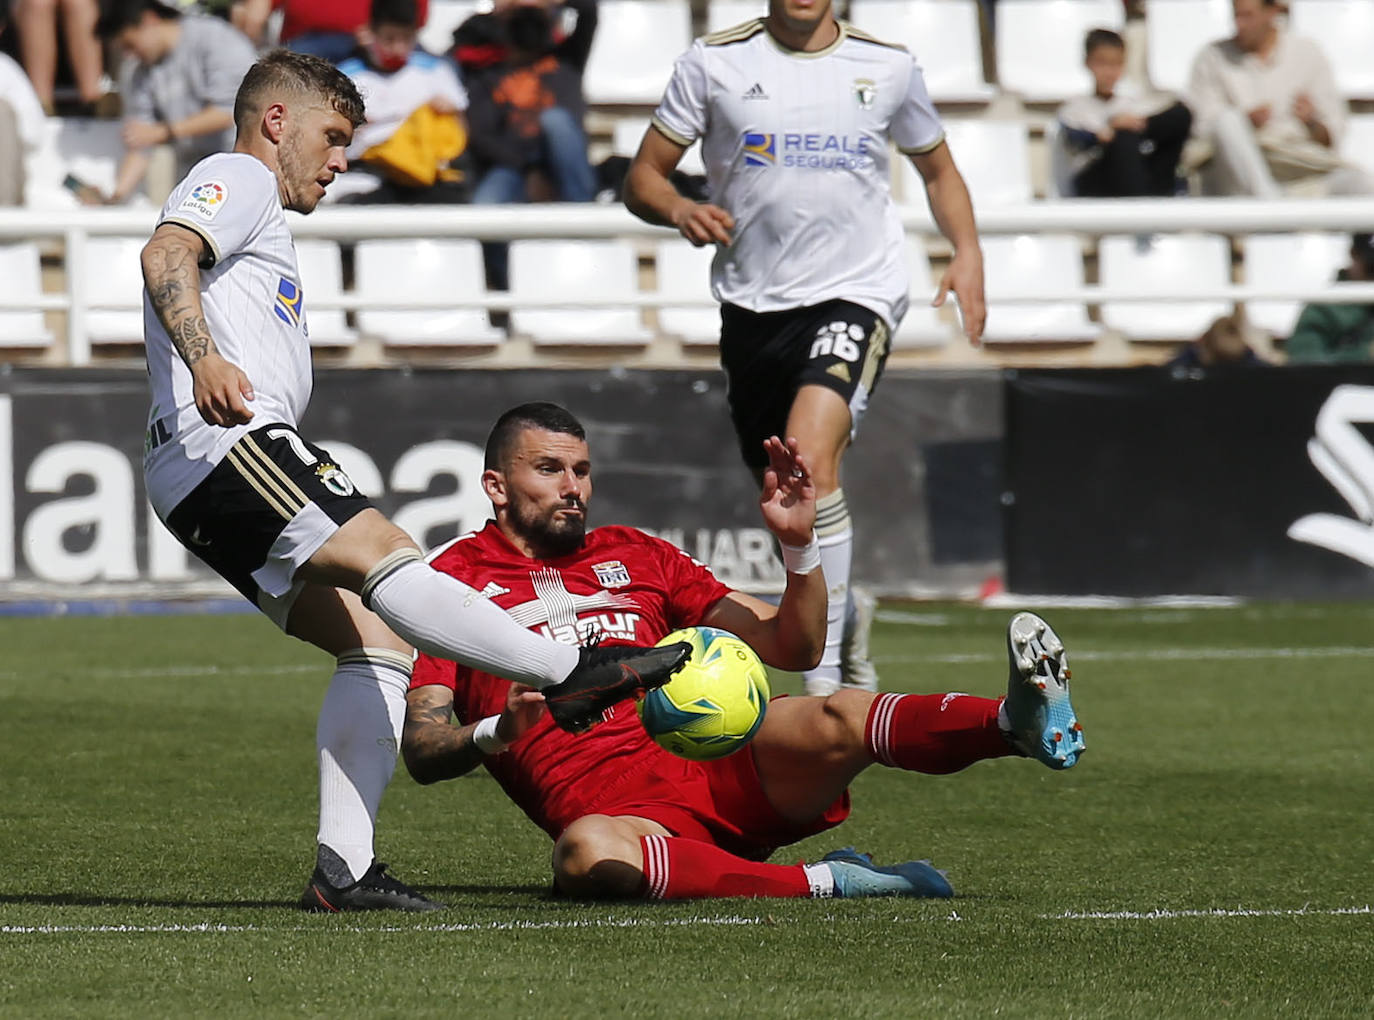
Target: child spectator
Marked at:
1326, 332
415, 102
329, 28
1120, 145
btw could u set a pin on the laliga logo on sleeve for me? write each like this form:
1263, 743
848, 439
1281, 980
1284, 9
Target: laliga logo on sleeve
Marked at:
1346, 459
206, 200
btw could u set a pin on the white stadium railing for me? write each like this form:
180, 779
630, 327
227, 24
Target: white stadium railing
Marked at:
1144, 217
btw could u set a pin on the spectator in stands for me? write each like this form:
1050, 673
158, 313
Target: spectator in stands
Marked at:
415, 102
21, 125
332, 29
1121, 145
1221, 346
178, 87
1266, 106
36, 22
525, 83
1329, 333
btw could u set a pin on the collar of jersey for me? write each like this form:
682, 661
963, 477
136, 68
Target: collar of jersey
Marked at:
787, 51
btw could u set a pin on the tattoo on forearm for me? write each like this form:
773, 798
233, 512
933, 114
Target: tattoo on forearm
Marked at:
435, 749
173, 280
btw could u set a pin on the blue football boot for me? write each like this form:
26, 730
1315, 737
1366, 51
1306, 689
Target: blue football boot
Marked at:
1037, 711
856, 876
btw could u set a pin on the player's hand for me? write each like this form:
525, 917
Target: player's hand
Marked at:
524, 708
788, 499
703, 223
221, 392
964, 277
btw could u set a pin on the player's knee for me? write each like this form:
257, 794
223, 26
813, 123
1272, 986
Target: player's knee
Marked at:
846, 715
596, 857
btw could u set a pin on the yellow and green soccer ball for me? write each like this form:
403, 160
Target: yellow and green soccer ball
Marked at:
714, 705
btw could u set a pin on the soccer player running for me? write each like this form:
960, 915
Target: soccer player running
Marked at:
795, 112
629, 819
230, 475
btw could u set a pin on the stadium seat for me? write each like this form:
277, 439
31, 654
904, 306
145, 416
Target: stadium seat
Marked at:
1027, 264
322, 277
922, 326
424, 269
113, 277
993, 156
1179, 264
1175, 30
444, 16
86, 148
1289, 260
628, 132
634, 49
1344, 29
684, 274
1357, 145
729, 13
943, 34
21, 277
1040, 45
602, 270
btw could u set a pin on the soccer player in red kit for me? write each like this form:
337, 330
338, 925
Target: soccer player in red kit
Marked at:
630, 819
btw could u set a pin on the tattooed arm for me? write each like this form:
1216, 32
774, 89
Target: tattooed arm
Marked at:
171, 273
434, 748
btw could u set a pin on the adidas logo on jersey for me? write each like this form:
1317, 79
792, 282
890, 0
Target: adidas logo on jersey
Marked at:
755, 93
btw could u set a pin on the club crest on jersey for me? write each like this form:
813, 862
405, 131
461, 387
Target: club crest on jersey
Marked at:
760, 150
612, 575
332, 478
288, 302
205, 200
866, 92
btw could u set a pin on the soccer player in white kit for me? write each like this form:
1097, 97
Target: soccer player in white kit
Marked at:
795, 112
230, 475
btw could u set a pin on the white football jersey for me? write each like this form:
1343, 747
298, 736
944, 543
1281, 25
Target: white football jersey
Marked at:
251, 293
796, 150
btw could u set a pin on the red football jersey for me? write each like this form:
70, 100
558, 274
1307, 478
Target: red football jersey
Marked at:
626, 586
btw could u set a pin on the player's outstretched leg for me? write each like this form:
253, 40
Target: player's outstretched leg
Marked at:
607, 675
1039, 718
857, 876
376, 890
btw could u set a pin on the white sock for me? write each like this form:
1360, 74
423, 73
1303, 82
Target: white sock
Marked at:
357, 735
448, 619
821, 880
836, 538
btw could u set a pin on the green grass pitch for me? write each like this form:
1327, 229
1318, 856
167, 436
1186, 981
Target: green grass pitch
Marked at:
1213, 853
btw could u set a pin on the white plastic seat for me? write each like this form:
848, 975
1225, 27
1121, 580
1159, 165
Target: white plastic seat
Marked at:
444, 16
729, 13
1016, 266
992, 155
1344, 29
1357, 144
943, 35
1040, 45
21, 276
321, 269
600, 270
921, 326
113, 277
634, 48
628, 132
1288, 261
86, 148
1175, 264
424, 269
684, 274
1175, 32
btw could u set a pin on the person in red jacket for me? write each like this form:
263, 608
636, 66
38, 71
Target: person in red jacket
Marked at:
331, 29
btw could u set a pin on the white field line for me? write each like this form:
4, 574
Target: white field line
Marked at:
1155, 654
1171, 915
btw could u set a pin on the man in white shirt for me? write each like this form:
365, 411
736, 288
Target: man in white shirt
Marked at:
1266, 103
229, 474
795, 113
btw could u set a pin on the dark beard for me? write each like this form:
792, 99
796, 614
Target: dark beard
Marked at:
551, 539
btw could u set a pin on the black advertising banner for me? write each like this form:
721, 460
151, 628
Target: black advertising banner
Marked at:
1249, 482
922, 481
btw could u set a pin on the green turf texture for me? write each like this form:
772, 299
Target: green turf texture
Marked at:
158, 774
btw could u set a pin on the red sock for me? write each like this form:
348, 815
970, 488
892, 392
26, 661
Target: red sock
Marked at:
686, 869
934, 733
